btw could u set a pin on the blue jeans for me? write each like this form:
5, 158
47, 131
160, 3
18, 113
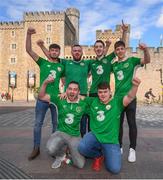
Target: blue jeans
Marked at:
90, 147
40, 111
84, 125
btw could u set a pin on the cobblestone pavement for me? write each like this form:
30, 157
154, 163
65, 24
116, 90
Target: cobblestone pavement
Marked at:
147, 116
16, 136
150, 116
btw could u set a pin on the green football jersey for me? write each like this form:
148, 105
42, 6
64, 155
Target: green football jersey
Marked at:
123, 73
47, 68
105, 119
100, 70
69, 115
77, 71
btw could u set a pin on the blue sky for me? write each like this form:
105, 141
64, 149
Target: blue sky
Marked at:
144, 16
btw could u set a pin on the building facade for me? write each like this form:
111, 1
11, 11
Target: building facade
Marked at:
61, 28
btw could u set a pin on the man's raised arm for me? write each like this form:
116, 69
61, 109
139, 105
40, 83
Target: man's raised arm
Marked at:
42, 93
40, 43
132, 93
146, 58
124, 32
107, 45
29, 50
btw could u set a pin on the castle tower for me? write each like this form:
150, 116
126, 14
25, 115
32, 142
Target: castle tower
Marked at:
51, 27
74, 15
112, 35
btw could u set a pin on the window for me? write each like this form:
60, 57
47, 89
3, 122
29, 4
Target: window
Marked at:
49, 28
13, 33
13, 60
13, 46
48, 40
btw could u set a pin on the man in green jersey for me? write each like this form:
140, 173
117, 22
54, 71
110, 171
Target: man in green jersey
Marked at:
101, 67
70, 111
102, 141
50, 66
76, 69
124, 69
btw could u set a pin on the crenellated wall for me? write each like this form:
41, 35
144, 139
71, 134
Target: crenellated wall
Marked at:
12, 45
64, 31
113, 35
44, 16
11, 25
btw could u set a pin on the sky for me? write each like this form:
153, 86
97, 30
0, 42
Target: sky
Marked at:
144, 16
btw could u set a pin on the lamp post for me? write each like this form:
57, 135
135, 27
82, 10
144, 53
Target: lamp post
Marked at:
27, 84
161, 81
31, 82
12, 82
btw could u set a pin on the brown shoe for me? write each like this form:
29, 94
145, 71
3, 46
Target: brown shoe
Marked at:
34, 154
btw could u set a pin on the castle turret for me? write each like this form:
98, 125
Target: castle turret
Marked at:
74, 15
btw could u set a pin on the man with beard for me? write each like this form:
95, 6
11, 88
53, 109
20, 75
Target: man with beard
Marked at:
70, 111
51, 66
78, 70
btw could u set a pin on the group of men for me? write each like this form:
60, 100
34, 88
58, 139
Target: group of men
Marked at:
104, 113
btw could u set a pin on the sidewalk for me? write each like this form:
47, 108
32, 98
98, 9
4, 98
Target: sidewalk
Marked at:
16, 136
17, 103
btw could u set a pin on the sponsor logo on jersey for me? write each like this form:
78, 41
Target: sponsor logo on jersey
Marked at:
99, 70
69, 118
100, 116
53, 73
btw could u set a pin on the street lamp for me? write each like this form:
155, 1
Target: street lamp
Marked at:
161, 81
31, 81
12, 77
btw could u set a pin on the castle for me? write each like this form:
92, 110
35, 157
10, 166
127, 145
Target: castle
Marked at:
63, 29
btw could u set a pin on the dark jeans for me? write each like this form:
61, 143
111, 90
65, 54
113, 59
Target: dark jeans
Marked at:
130, 111
40, 112
85, 120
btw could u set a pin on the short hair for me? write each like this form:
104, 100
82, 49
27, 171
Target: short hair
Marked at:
99, 41
55, 46
103, 85
76, 45
74, 82
119, 43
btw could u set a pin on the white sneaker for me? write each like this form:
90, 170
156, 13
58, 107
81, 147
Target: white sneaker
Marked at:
132, 155
57, 162
121, 150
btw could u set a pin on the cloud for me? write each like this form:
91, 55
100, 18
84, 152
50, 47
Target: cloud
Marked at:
15, 9
102, 14
159, 22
